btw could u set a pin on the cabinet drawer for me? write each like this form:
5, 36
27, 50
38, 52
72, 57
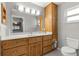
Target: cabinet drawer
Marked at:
46, 43
22, 50
20, 42
16, 51
54, 36
8, 44
39, 39
47, 49
32, 40
35, 39
47, 37
9, 52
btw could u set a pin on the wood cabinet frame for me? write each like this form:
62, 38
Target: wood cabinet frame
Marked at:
3, 13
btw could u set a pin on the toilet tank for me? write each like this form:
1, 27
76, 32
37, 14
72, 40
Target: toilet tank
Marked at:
73, 43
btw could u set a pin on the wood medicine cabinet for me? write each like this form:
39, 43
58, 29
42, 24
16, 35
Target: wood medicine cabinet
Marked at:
4, 13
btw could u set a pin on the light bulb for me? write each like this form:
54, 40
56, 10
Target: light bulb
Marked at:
21, 8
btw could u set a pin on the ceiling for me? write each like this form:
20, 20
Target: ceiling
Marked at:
43, 4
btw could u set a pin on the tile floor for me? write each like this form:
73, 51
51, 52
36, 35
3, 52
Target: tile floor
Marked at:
54, 53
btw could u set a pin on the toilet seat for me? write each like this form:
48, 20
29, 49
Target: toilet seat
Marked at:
68, 51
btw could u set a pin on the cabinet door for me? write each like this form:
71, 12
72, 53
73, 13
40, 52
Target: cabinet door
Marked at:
8, 44
39, 48
22, 50
54, 38
9, 52
35, 46
48, 18
54, 19
32, 49
51, 18
35, 49
48, 10
47, 42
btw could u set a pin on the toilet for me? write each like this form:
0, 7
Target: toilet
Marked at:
70, 49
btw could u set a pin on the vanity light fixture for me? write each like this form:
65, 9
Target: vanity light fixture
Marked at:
37, 12
33, 11
21, 8
27, 10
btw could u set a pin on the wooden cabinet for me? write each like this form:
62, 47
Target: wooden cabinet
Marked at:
51, 20
47, 43
21, 42
35, 39
15, 47
4, 13
39, 48
18, 47
35, 49
47, 37
9, 52
8, 44
32, 49
54, 37
48, 18
54, 19
35, 46
21, 50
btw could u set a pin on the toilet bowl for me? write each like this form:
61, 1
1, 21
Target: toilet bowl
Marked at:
70, 49
67, 51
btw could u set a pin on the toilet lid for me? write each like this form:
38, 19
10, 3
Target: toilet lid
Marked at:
68, 50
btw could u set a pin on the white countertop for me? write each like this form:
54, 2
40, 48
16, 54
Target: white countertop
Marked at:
33, 34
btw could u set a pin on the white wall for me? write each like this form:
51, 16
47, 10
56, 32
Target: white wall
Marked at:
0, 15
66, 29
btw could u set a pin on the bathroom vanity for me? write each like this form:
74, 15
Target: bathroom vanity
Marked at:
27, 45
